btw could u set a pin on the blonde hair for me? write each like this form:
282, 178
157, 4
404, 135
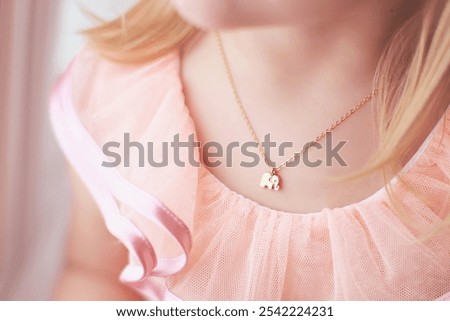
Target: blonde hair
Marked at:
413, 71
147, 31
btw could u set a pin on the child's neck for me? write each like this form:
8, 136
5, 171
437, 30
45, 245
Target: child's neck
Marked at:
328, 55
293, 82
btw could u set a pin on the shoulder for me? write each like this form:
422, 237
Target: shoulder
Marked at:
440, 145
430, 167
102, 92
92, 73
89, 62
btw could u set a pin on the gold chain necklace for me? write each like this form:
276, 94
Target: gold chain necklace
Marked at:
269, 179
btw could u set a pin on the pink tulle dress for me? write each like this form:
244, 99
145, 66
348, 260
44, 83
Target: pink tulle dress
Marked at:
191, 238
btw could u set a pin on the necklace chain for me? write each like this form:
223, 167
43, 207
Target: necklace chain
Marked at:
240, 105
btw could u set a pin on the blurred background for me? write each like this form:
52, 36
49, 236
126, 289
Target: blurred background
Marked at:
38, 38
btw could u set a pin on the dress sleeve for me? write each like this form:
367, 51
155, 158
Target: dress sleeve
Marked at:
95, 102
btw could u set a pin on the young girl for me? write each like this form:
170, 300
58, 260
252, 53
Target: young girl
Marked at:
359, 214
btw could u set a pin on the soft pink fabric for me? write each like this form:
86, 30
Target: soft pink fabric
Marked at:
191, 238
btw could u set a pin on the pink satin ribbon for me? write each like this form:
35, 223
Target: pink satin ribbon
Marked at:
107, 186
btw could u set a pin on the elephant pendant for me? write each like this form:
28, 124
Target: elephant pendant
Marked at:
270, 181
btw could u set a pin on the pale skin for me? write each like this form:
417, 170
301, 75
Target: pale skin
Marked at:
298, 69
